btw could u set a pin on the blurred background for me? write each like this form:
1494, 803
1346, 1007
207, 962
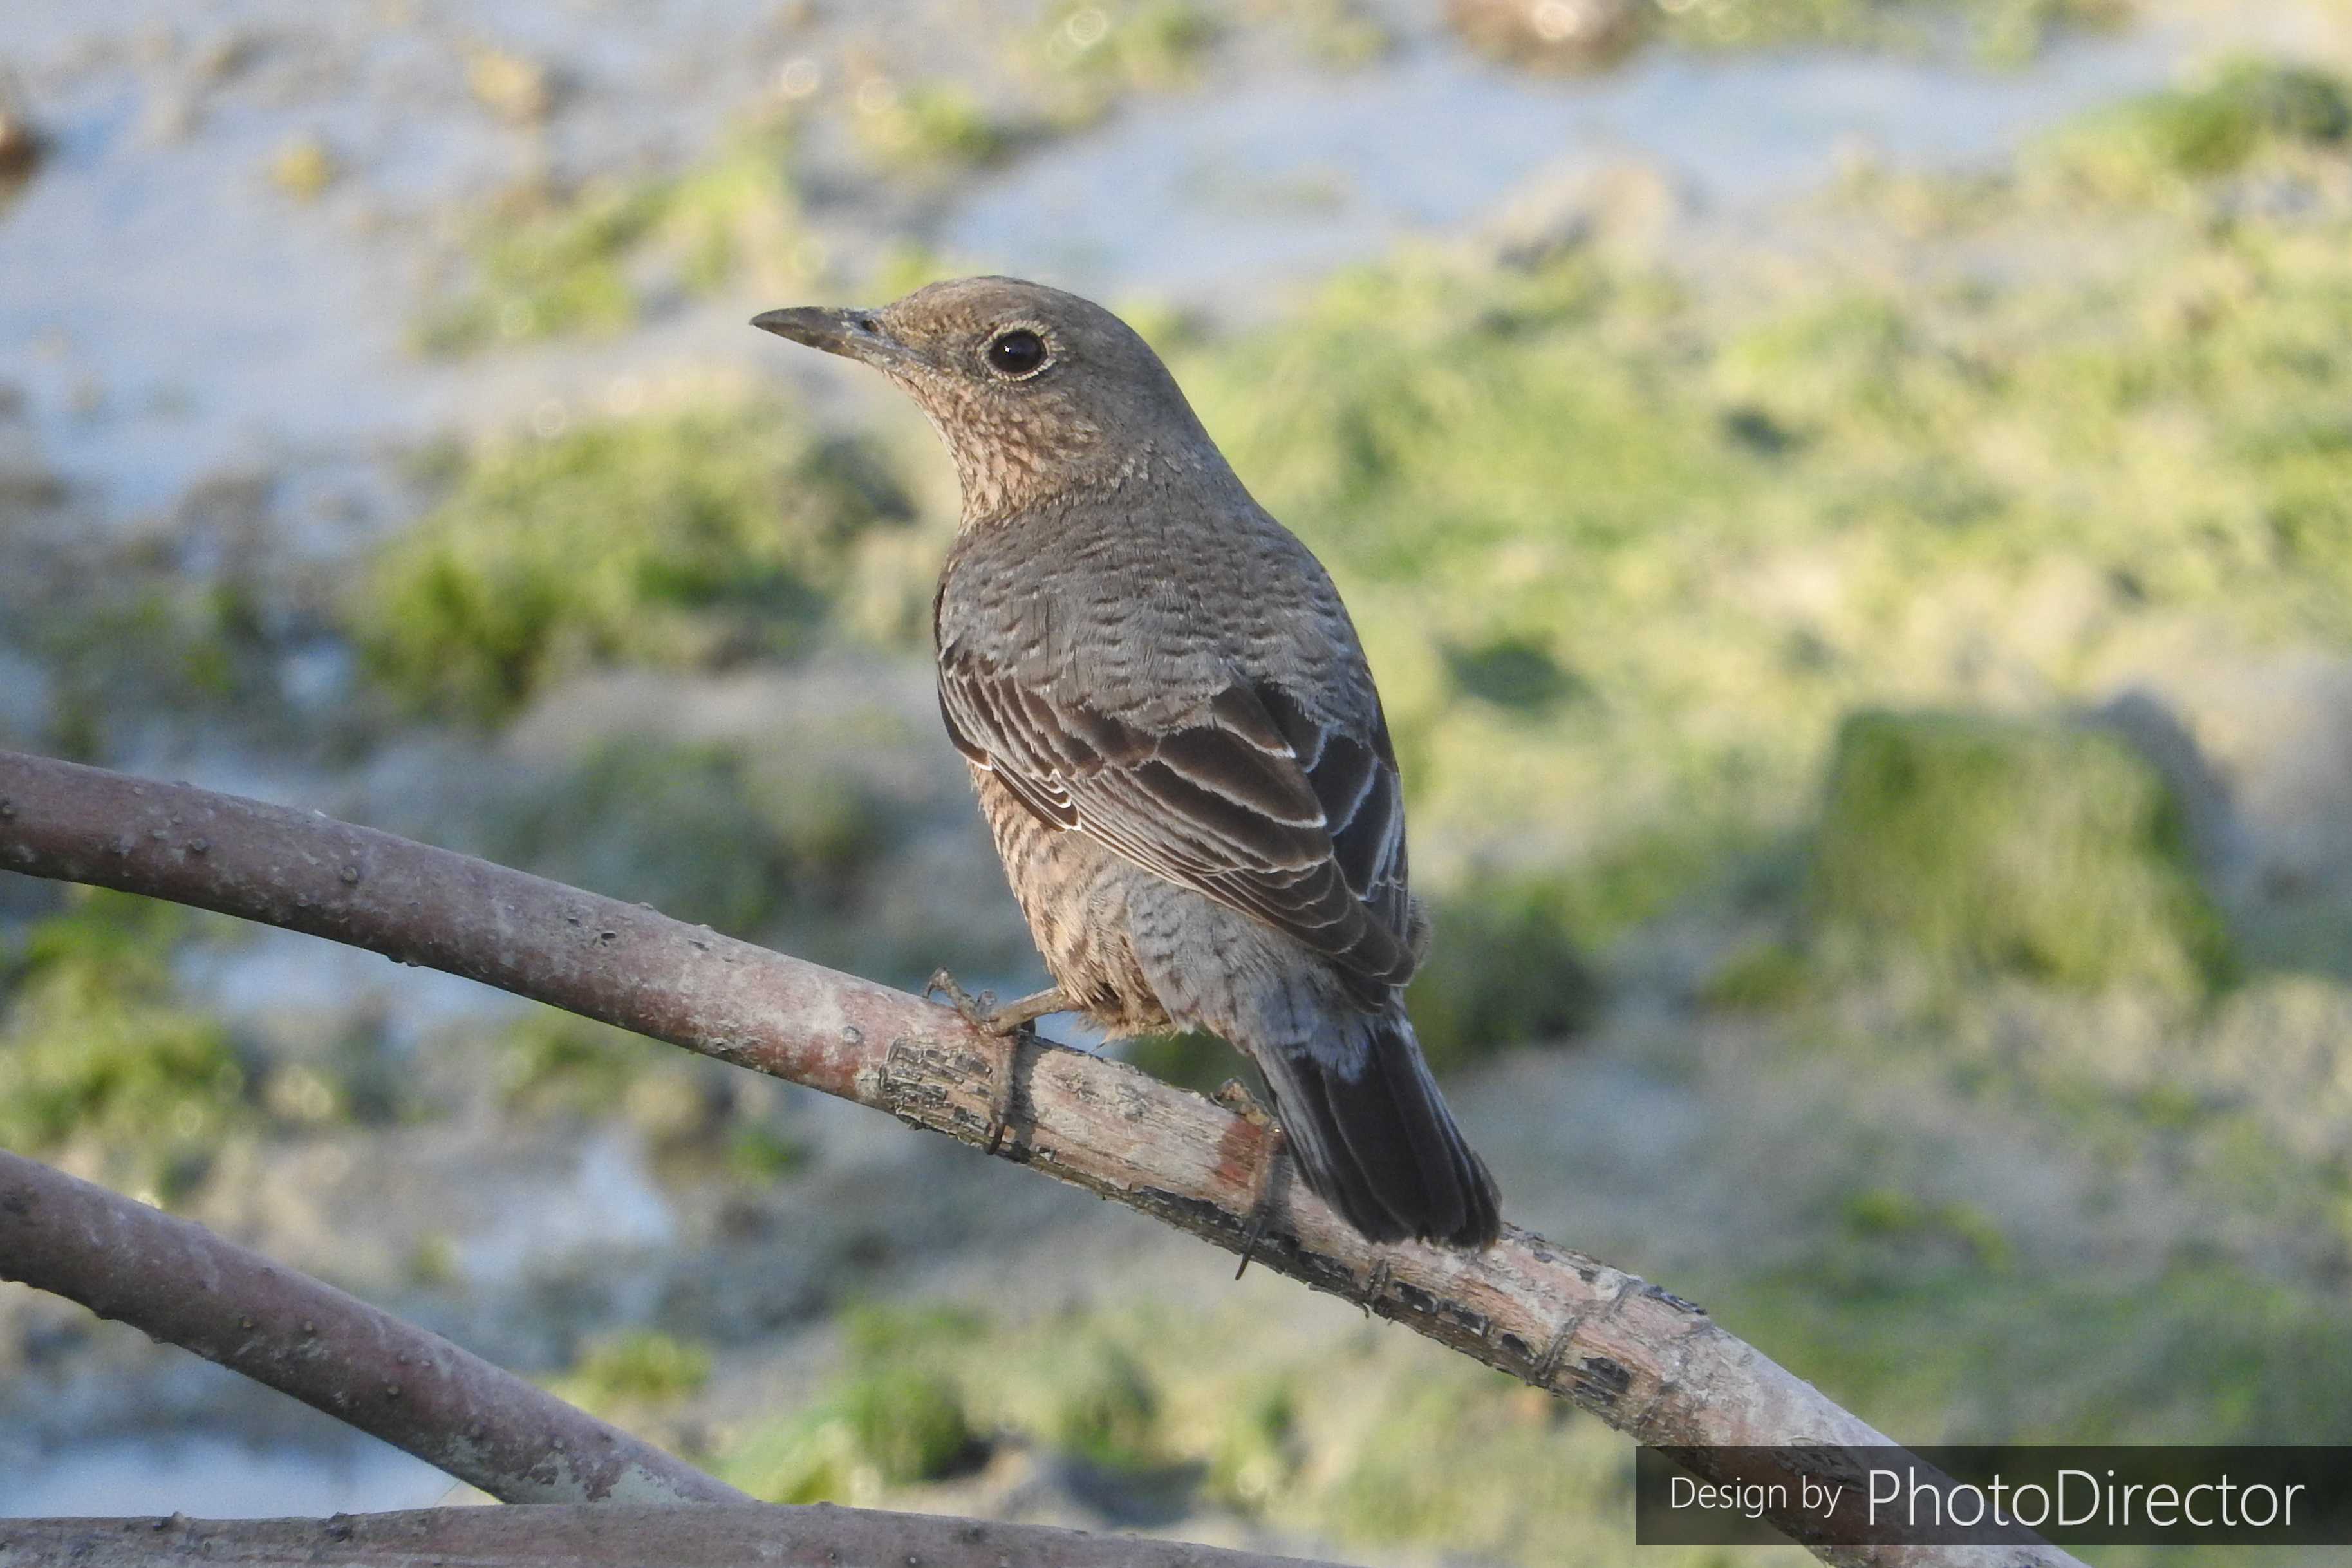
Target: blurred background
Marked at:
1849, 501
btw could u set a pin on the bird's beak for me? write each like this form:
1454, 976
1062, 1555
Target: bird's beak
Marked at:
852, 334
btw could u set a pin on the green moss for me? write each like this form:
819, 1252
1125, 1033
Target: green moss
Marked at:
782, 841
935, 127
1957, 1354
1410, 428
587, 261
1911, 1226
132, 630
96, 1051
698, 831
1914, 1309
1624, 552
736, 216
909, 1424
2166, 142
634, 1371
878, 1334
683, 540
1760, 976
1503, 971
1087, 53
803, 1461
762, 1155
1988, 844
878, 1428
2001, 31
2228, 1100
893, 1419
555, 1061
1255, 1454
1453, 1459
433, 1263
1341, 35
1518, 673
1108, 1410
547, 274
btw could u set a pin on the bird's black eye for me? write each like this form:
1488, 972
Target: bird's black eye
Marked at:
1016, 353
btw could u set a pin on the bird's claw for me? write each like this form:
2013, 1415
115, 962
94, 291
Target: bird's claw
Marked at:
1236, 1097
1006, 1024
979, 1011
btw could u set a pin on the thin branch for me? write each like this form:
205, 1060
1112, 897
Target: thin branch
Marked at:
179, 1282
605, 1536
1648, 1363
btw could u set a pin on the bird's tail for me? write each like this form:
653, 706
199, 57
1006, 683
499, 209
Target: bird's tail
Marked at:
1379, 1145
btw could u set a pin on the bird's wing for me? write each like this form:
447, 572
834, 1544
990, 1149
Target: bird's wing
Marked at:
1250, 801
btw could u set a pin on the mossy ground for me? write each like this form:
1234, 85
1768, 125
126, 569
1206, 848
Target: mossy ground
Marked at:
1629, 550
1990, 845
97, 1059
1630, 544
1684, 530
592, 259
691, 538
2003, 31
1965, 1256
597, 255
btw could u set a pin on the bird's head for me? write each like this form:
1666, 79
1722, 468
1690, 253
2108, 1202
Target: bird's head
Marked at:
1035, 392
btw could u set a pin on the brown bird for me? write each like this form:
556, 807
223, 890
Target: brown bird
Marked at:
1175, 735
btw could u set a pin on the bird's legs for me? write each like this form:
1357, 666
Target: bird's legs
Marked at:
1023, 1011
1236, 1097
1005, 1024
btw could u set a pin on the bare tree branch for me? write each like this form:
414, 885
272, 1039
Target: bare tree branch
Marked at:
610, 1535
1648, 1363
179, 1282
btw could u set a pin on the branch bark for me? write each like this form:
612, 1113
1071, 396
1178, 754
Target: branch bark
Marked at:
179, 1282
1651, 1365
608, 1535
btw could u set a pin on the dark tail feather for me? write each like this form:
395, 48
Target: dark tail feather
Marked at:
1381, 1147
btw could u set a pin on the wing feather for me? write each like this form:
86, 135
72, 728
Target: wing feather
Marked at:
1250, 801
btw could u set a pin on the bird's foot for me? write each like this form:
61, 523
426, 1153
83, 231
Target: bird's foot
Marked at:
1236, 1097
983, 1012
1006, 1025
974, 1010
